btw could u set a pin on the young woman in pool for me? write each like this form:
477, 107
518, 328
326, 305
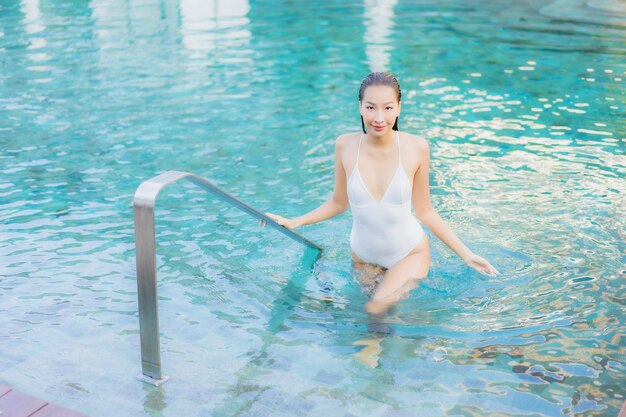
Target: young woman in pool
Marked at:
380, 173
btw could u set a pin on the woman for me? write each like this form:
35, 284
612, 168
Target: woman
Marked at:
380, 173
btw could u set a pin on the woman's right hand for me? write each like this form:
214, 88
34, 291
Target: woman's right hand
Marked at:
481, 265
283, 221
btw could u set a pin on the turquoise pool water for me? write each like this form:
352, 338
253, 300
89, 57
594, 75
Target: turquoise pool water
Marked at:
524, 108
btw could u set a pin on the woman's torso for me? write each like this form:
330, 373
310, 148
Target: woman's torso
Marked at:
372, 164
379, 189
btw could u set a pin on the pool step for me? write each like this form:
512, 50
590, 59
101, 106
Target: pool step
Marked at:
14, 403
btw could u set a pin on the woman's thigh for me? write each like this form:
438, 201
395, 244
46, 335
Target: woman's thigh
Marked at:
404, 275
368, 275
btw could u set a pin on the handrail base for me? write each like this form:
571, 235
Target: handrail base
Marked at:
149, 380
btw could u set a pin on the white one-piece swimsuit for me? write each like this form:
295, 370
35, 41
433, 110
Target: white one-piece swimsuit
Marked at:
385, 231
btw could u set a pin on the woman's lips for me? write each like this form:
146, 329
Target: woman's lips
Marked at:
378, 128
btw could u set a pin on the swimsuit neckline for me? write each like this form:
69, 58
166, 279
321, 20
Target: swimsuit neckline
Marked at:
356, 168
393, 178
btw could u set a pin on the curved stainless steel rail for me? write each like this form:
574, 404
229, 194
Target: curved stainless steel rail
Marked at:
145, 245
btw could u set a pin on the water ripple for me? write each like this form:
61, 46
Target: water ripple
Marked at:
522, 104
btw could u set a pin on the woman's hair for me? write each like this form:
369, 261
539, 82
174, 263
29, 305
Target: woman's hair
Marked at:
380, 78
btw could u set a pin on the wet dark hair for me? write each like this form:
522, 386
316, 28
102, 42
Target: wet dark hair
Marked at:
380, 78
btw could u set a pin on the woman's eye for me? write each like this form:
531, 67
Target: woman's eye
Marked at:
389, 108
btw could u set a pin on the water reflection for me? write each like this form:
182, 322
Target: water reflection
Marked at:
32, 17
379, 19
33, 24
202, 20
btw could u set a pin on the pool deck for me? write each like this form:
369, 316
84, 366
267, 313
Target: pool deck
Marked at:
14, 403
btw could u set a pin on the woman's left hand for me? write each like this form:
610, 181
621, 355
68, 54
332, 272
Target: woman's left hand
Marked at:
481, 265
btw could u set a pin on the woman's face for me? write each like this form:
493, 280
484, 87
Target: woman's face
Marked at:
380, 108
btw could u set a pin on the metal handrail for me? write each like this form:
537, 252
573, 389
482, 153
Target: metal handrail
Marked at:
145, 245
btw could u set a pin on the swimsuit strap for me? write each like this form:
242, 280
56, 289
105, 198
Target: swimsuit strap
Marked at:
358, 150
398, 141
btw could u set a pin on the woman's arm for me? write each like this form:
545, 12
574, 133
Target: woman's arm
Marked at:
338, 203
429, 217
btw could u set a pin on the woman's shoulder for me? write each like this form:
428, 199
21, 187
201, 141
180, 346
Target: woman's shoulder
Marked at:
416, 148
416, 142
346, 138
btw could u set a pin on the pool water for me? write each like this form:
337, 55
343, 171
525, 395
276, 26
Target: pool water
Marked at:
523, 104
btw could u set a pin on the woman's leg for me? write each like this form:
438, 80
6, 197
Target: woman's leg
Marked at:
368, 275
400, 279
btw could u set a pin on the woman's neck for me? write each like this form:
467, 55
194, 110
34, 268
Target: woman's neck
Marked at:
382, 141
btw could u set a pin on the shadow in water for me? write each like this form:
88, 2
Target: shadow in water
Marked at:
291, 293
154, 403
